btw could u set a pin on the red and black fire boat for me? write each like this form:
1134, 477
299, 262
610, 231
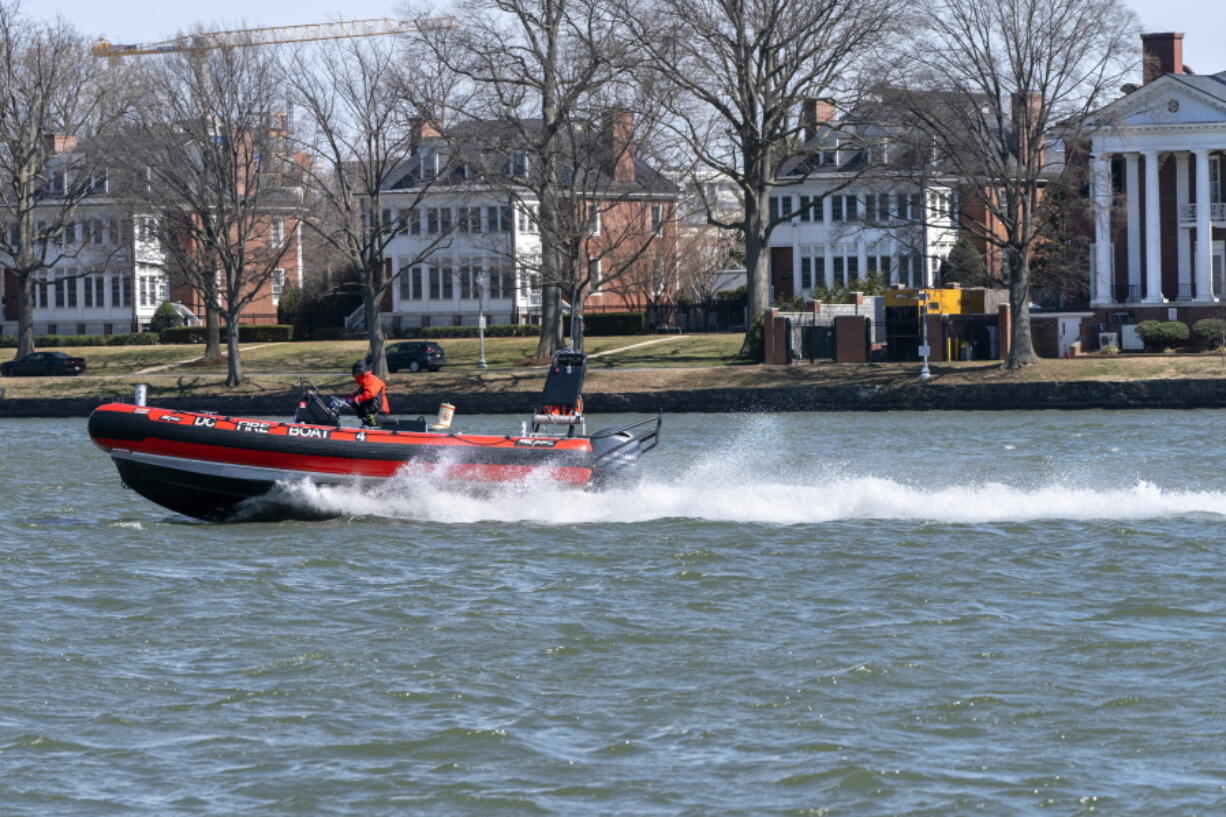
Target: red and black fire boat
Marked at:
207, 465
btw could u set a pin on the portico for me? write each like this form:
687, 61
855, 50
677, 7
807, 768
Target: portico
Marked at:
1169, 253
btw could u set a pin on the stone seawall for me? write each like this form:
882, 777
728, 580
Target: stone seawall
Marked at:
1004, 396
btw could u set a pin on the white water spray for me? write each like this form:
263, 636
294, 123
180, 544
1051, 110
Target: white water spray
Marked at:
743, 488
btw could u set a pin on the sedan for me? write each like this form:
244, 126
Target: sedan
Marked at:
415, 356
43, 363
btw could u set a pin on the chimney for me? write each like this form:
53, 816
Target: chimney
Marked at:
814, 113
1026, 108
618, 137
1161, 54
423, 129
54, 143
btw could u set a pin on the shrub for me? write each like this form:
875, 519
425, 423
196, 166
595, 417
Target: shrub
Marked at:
736, 296
265, 333
185, 334
1160, 335
51, 341
328, 333
614, 323
1209, 333
754, 347
166, 317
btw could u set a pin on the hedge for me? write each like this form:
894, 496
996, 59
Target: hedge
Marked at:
1163, 335
614, 323
246, 334
1210, 333
44, 341
501, 330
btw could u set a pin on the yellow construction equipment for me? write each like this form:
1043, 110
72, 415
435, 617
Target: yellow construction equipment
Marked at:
275, 35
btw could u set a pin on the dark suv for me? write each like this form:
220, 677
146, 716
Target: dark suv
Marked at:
415, 356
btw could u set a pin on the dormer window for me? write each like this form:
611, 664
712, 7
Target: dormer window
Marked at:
828, 152
58, 182
427, 163
97, 182
517, 164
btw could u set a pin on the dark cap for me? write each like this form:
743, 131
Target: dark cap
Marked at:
360, 368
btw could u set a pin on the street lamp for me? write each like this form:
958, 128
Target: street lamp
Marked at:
482, 286
922, 296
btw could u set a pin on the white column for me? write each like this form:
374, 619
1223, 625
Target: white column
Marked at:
1204, 240
1153, 232
1181, 235
1132, 181
861, 259
828, 221
1104, 257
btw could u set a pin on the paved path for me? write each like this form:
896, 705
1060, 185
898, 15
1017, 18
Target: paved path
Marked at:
664, 339
153, 369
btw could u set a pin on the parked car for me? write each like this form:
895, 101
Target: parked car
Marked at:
43, 363
415, 356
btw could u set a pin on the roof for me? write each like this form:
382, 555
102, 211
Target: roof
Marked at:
476, 152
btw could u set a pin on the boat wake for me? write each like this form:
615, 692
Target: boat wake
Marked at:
711, 493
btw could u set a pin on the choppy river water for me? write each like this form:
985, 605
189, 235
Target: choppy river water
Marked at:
803, 614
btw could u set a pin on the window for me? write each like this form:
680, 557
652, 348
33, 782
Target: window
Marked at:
278, 284
448, 281
806, 271
277, 228
414, 221
69, 235
838, 270
593, 275
432, 220
499, 219
657, 218
112, 232
1215, 181
917, 205
901, 209
60, 294
469, 272
97, 182
883, 207
89, 291
436, 283
444, 220
127, 291
517, 164
836, 208
427, 163
528, 215
852, 202
593, 219
41, 294
72, 285
415, 275
115, 299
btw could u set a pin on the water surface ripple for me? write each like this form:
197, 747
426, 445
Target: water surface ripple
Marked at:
809, 614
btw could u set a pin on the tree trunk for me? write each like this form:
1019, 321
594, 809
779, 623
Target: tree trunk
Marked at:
374, 332
551, 323
576, 324
234, 364
25, 314
1021, 349
212, 335
757, 268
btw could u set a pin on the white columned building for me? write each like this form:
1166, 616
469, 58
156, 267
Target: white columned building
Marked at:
1157, 158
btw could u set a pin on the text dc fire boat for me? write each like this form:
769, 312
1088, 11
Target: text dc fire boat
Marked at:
206, 465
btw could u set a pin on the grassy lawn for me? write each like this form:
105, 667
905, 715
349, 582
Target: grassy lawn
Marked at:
676, 362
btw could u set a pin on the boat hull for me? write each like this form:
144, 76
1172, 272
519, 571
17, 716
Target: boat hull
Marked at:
209, 467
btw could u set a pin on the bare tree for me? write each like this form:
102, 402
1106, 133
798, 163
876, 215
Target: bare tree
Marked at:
535, 63
733, 74
991, 83
54, 93
363, 117
209, 144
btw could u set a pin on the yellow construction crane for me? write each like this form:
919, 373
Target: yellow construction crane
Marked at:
241, 38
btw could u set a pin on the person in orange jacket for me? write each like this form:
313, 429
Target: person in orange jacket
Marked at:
370, 400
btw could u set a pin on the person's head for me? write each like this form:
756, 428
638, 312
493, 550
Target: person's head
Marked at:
359, 369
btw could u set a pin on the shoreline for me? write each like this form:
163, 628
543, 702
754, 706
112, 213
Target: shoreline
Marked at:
1172, 393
